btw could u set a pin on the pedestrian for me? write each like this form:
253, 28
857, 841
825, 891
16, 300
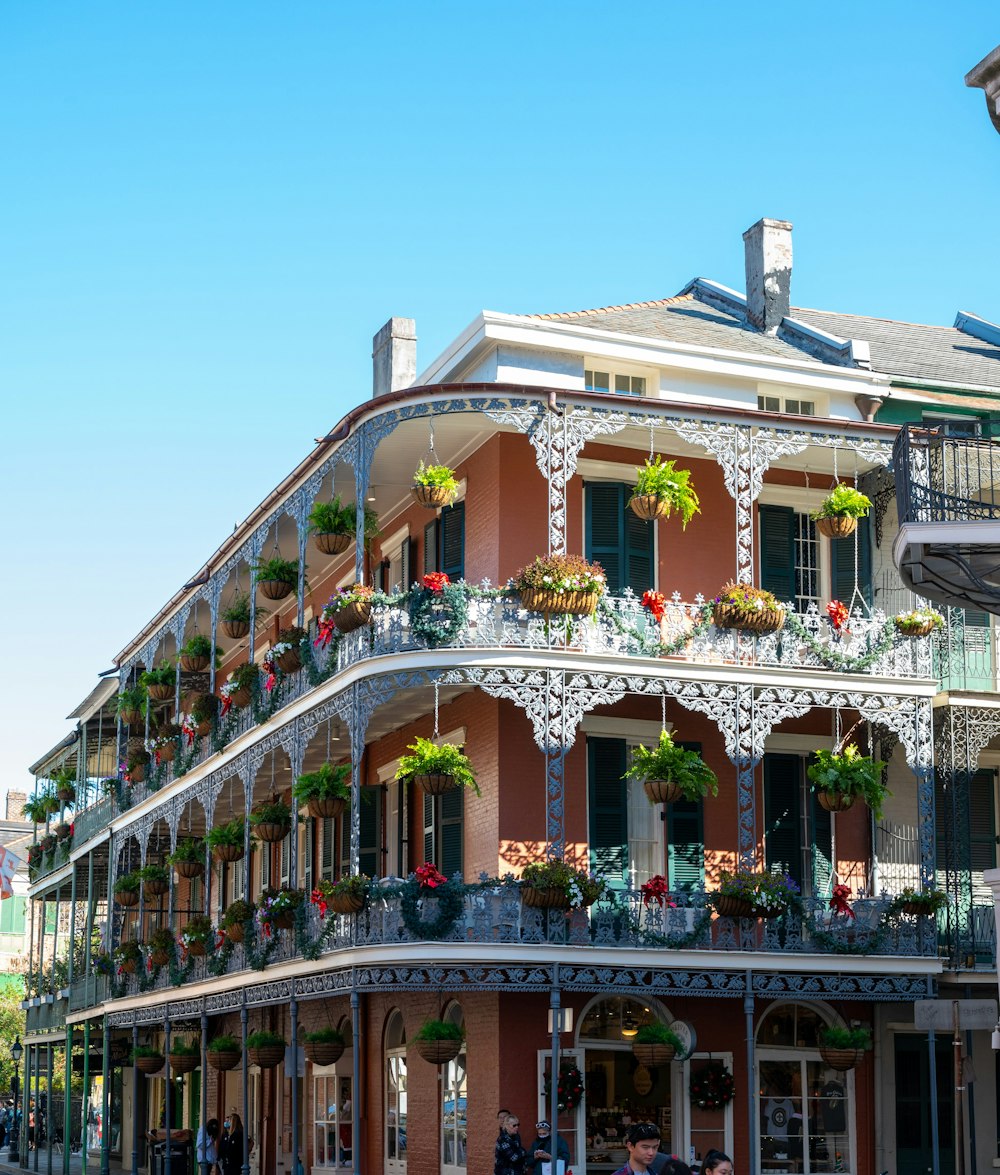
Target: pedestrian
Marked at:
31, 1127
540, 1151
642, 1143
716, 1163
206, 1144
508, 1154
232, 1144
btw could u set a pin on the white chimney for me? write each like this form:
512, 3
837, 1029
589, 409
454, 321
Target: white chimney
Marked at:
394, 356
768, 254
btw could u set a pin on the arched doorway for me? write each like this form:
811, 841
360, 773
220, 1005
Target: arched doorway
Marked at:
394, 1094
333, 1106
454, 1103
805, 1109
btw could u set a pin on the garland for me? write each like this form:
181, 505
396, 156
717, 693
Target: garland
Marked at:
451, 905
712, 1087
438, 615
834, 659
569, 1090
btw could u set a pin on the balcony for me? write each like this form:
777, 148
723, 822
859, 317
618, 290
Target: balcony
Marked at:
948, 498
47, 1016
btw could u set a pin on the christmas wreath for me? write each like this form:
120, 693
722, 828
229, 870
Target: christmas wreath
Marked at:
570, 1088
438, 610
451, 905
712, 1087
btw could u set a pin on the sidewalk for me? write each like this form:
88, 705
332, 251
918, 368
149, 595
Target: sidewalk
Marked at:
75, 1163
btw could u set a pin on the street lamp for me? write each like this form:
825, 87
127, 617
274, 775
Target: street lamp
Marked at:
16, 1052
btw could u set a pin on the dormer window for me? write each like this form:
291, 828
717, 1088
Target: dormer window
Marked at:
786, 404
621, 383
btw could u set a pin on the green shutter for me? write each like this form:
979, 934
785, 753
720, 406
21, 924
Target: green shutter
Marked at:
974, 619
608, 798
309, 845
431, 546
451, 808
453, 541
430, 830
407, 563
685, 845
776, 526
982, 822
327, 830
822, 845
640, 575
842, 564
604, 526
782, 815
370, 827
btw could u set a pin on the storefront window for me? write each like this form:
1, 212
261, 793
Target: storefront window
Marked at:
453, 1109
395, 1095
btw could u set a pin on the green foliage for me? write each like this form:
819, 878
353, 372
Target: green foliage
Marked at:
270, 812
844, 502
236, 914
225, 1043
668, 761
747, 600
128, 883
131, 698
292, 636
145, 1050
324, 1036
835, 1037
560, 573
437, 475
764, 891
263, 1040
128, 951
577, 884
371, 521
328, 517
850, 774
439, 1030
198, 645
930, 900
179, 1047
330, 781
197, 929
188, 849
163, 674
231, 833
160, 940
658, 1033
12, 1025
670, 485
245, 676
38, 808
154, 873
427, 758
204, 707
282, 570
915, 620
64, 776
237, 611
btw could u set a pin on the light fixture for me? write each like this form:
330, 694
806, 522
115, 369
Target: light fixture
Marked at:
629, 1026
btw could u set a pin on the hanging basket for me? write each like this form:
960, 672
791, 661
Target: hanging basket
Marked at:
355, 615
346, 903
193, 664
204, 728
840, 526
730, 907
66, 795
834, 801
227, 852
268, 1056
323, 1052
437, 1052
559, 603
235, 932
434, 785
915, 630
283, 921
841, 1059
184, 1062
330, 543
648, 506
433, 497
275, 589
155, 888
128, 966
545, 899
137, 772
223, 1060
149, 1065
127, 898
662, 791
161, 693
917, 909
196, 948
290, 662
272, 833
766, 620
189, 869
131, 717
167, 751
325, 808
241, 698
235, 629
159, 958
652, 1055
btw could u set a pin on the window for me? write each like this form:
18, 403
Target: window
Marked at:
443, 830
333, 1114
622, 543
621, 383
792, 562
12, 915
444, 542
955, 426
396, 571
454, 1105
395, 1095
797, 830
786, 404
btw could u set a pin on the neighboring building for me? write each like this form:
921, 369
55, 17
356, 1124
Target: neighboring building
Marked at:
15, 836
545, 418
986, 76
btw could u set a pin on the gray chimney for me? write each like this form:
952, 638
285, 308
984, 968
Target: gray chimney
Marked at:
394, 356
768, 252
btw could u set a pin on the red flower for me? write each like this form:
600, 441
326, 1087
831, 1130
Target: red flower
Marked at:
655, 602
436, 581
657, 890
316, 897
428, 875
268, 666
838, 902
839, 615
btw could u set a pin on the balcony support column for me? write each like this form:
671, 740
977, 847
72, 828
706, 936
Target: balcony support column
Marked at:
753, 1124
85, 1099
293, 1012
204, 1087
245, 1088
22, 1148
72, 929
88, 924
168, 1095
555, 1010
356, 1080
105, 1098
67, 1103
135, 1101
38, 1092
49, 1115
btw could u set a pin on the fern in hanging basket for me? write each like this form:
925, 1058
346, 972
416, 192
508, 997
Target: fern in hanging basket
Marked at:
668, 762
277, 570
843, 501
850, 775
428, 758
325, 790
669, 487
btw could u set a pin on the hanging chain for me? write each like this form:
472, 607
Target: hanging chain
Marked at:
430, 442
651, 440
836, 477
663, 712
436, 702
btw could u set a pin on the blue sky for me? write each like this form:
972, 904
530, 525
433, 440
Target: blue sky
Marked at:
208, 210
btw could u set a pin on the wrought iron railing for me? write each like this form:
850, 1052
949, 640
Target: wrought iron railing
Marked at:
46, 1016
943, 478
93, 820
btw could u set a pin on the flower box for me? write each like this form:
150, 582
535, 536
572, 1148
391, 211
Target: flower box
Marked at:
559, 603
729, 907
652, 1055
835, 801
545, 899
346, 903
763, 621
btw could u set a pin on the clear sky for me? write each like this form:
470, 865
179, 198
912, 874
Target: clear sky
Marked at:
209, 208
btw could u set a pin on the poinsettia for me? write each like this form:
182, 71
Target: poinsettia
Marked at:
436, 581
655, 602
429, 876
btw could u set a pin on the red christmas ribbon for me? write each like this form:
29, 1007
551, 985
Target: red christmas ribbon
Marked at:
655, 602
428, 875
436, 581
838, 901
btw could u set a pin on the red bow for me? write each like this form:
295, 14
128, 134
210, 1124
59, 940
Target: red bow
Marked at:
839, 615
156, 753
227, 703
326, 630
268, 666
428, 875
220, 938
436, 581
655, 602
316, 897
657, 890
838, 901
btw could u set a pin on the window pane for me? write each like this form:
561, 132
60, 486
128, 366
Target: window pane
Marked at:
806, 562
638, 385
597, 381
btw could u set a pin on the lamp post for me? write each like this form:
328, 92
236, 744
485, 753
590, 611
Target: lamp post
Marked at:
16, 1052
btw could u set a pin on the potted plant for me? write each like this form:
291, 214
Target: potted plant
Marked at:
324, 791
185, 1055
655, 1044
224, 1052
131, 705
841, 777
434, 485
920, 903
161, 946
234, 921
227, 840
560, 584
136, 763
241, 684
37, 808
437, 768
329, 526
271, 819
127, 956
160, 683
266, 1049
840, 510
669, 772
287, 650
189, 857
746, 894
64, 831
750, 609
196, 933
103, 963
346, 896
147, 1060
155, 880
235, 617
325, 1046
126, 889
918, 622
556, 885
196, 653
661, 489
64, 782
276, 577
204, 708
276, 908
48, 843
163, 746
350, 607
843, 1048
438, 1041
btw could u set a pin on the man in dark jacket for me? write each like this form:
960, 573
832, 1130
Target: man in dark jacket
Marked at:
508, 1155
540, 1151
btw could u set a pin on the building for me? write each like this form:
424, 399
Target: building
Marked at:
986, 77
545, 419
